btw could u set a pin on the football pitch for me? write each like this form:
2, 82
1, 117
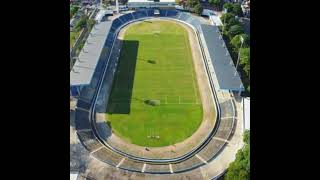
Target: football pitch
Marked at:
155, 100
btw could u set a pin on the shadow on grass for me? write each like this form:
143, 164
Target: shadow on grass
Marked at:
120, 96
147, 21
148, 61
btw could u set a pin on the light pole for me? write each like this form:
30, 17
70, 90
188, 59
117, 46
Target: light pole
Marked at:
224, 20
241, 39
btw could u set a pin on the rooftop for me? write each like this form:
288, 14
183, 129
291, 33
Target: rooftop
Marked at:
89, 56
224, 69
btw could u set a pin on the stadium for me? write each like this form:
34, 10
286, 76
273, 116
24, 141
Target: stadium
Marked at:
157, 95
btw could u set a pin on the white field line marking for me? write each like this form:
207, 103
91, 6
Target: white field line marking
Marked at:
199, 157
96, 150
120, 162
144, 167
170, 166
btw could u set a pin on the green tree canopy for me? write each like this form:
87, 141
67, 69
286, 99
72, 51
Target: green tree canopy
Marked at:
216, 3
240, 168
229, 20
73, 10
236, 41
198, 9
237, 10
192, 3
81, 23
245, 59
235, 30
227, 17
228, 6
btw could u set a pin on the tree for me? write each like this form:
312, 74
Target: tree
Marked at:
216, 4
192, 3
240, 168
198, 9
229, 20
236, 41
246, 136
228, 7
81, 23
237, 10
73, 10
245, 59
235, 30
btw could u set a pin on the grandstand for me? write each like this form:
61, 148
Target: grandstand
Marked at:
91, 81
227, 77
136, 4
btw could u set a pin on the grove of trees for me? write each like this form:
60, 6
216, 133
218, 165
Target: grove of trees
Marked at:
217, 4
240, 168
233, 31
234, 8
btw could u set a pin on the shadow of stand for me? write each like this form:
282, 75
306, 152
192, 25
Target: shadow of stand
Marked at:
120, 96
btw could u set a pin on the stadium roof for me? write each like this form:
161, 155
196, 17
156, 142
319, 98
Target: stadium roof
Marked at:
85, 66
224, 69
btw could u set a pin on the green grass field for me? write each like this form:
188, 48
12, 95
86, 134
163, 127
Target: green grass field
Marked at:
155, 65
